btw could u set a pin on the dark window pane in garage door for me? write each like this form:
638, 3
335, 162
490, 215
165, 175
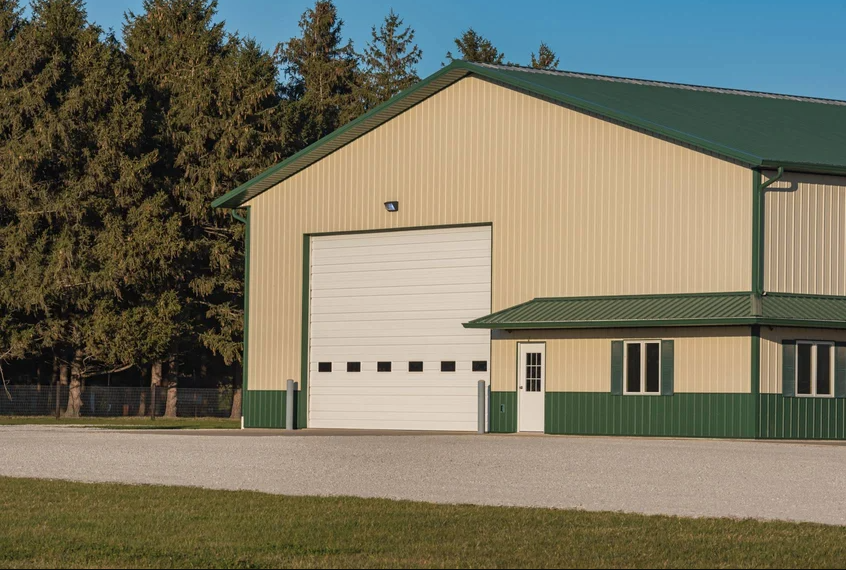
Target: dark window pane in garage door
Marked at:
353, 366
383, 367
324, 367
448, 366
415, 366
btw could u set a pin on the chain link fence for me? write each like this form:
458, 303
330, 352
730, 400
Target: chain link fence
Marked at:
109, 401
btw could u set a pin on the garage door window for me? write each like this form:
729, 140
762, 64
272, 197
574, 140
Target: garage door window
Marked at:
353, 366
415, 366
324, 367
448, 366
480, 366
383, 367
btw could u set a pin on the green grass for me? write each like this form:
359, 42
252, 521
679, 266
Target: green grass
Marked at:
52, 524
125, 423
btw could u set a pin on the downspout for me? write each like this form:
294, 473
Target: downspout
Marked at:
244, 393
758, 293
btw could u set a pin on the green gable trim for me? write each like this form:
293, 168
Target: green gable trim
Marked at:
706, 309
758, 130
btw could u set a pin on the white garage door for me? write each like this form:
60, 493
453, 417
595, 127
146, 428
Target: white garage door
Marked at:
387, 345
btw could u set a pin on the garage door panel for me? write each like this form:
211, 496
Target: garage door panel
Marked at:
400, 404
399, 327
401, 238
396, 291
404, 424
398, 297
468, 275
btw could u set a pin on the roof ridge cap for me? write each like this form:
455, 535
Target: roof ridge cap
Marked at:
667, 84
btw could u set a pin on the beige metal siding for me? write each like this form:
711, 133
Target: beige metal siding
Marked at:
771, 351
805, 235
707, 359
579, 206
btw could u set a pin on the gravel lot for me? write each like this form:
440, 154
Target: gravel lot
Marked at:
792, 481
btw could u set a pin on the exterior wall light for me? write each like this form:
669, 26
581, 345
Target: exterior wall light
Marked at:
392, 206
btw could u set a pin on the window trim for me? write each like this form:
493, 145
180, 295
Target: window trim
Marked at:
831, 379
642, 343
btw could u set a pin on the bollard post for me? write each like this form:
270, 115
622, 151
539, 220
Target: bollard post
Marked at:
289, 406
482, 407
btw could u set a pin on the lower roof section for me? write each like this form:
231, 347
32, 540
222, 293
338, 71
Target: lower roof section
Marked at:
705, 309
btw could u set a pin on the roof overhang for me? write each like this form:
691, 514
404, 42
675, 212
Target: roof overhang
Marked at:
710, 309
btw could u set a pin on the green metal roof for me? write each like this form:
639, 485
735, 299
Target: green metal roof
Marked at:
757, 129
707, 309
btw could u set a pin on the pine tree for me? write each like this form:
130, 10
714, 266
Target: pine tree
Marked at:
324, 82
546, 58
477, 49
391, 59
72, 172
215, 119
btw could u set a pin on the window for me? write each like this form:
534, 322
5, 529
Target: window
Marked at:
353, 366
324, 367
383, 367
448, 366
533, 371
642, 367
480, 366
415, 366
814, 368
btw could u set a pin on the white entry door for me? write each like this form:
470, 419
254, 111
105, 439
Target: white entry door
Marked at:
531, 386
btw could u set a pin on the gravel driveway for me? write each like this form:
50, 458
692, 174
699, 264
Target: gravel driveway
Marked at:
792, 481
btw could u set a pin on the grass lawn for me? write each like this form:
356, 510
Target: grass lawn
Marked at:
125, 423
53, 524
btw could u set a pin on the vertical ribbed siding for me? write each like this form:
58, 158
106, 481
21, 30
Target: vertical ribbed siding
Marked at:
805, 235
578, 206
680, 415
707, 359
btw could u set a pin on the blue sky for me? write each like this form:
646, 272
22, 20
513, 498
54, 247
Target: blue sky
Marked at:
779, 46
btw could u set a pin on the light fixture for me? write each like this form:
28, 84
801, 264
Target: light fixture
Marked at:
392, 206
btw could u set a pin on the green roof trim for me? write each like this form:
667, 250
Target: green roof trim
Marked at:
706, 309
761, 130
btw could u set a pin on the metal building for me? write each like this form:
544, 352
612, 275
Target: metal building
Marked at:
611, 256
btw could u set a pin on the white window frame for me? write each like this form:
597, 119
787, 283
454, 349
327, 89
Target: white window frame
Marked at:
814, 347
642, 344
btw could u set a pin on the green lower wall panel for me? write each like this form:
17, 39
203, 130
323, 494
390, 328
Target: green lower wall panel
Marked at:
802, 418
503, 412
264, 408
680, 415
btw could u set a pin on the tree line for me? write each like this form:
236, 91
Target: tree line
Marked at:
112, 261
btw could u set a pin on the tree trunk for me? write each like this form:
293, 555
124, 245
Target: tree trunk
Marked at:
155, 382
142, 400
55, 378
237, 382
75, 392
172, 377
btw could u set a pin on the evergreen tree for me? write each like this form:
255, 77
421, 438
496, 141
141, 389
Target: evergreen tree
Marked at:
72, 176
546, 58
475, 48
215, 119
391, 59
324, 82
